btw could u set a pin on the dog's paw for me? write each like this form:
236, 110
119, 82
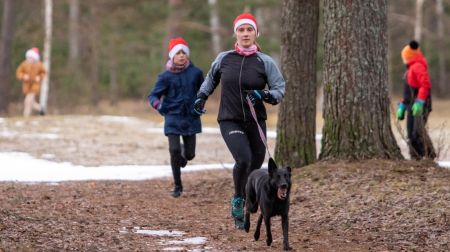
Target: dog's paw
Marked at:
256, 235
247, 226
287, 247
269, 241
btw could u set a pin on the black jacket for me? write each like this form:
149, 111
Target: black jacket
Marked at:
239, 74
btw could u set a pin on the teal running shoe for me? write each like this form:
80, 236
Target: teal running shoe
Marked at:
237, 211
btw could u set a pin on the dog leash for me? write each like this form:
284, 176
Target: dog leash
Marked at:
261, 133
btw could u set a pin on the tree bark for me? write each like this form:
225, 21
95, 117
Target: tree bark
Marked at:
5, 53
296, 127
356, 110
47, 53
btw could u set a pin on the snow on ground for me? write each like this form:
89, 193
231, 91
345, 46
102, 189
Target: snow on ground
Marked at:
21, 167
167, 233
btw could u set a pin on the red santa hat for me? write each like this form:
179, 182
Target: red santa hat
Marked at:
33, 53
177, 44
246, 18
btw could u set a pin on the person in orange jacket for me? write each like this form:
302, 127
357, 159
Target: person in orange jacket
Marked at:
31, 72
416, 101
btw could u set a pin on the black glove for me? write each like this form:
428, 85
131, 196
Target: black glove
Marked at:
256, 95
199, 104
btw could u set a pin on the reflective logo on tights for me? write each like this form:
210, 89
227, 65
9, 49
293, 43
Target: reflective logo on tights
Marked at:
236, 132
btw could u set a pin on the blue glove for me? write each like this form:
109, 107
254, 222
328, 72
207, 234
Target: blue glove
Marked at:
417, 108
199, 104
401, 111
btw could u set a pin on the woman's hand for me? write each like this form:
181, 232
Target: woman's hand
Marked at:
257, 95
199, 106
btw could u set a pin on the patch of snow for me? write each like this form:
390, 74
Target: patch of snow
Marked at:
19, 124
8, 134
21, 167
13, 134
170, 233
48, 156
174, 249
49, 136
445, 164
193, 241
55, 129
117, 119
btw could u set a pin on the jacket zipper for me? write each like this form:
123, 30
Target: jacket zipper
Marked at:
240, 88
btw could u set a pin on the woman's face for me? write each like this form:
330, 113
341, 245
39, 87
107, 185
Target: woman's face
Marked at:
180, 58
245, 35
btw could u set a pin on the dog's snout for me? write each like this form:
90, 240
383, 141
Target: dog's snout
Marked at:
283, 186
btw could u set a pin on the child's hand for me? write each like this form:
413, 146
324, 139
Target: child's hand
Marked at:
157, 104
25, 77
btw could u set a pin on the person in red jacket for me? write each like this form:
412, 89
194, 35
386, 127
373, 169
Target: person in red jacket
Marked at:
416, 101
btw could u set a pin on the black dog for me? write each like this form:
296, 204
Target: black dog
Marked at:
270, 190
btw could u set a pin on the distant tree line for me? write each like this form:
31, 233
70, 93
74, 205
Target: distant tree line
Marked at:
114, 49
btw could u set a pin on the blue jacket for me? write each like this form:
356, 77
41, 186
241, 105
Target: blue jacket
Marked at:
177, 93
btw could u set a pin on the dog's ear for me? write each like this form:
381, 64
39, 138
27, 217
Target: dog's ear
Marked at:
289, 169
272, 166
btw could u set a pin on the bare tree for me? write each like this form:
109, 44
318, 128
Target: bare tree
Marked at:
419, 20
47, 52
356, 110
442, 88
94, 55
74, 20
214, 22
173, 23
296, 127
5, 53
114, 84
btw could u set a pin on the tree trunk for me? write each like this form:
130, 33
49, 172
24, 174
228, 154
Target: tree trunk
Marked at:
296, 127
5, 53
214, 23
113, 85
173, 25
47, 52
442, 89
94, 57
356, 110
418, 21
74, 19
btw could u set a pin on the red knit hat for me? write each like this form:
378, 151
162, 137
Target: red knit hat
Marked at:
177, 44
33, 53
246, 18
